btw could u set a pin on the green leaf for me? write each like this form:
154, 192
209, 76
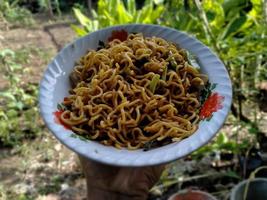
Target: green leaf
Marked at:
221, 139
164, 74
84, 20
81, 137
123, 16
136, 17
148, 14
191, 58
208, 119
109, 17
12, 113
228, 5
231, 146
214, 9
148, 145
16, 105
157, 2
3, 115
101, 44
233, 26
101, 6
14, 66
145, 14
131, 7
95, 25
8, 95
6, 52
232, 174
253, 130
79, 31
149, 2
154, 82
210, 15
94, 14
203, 151
156, 13
61, 106
112, 6
213, 86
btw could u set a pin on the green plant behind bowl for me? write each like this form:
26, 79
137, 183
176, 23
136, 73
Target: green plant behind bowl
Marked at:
115, 12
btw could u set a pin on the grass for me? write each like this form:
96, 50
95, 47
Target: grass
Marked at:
23, 55
15, 15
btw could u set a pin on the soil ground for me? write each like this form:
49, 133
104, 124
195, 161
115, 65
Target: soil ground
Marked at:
41, 169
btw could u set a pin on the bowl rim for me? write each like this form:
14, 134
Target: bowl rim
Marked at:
172, 197
242, 183
50, 126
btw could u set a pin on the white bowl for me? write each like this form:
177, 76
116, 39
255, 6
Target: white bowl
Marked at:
55, 85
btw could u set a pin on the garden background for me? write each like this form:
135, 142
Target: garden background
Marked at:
33, 165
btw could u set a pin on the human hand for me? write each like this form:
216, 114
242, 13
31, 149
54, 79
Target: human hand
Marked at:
113, 183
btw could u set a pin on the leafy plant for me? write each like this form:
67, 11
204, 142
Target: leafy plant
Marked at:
50, 6
115, 12
236, 30
220, 144
18, 104
13, 13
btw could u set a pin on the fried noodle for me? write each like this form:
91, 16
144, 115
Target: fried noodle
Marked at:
133, 92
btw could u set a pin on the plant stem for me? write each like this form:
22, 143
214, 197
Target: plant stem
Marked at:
211, 38
58, 7
180, 180
251, 177
206, 27
14, 3
49, 7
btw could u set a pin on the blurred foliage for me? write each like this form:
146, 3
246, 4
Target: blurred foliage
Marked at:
12, 13
18, 105
49, 6
236, 30
115, 12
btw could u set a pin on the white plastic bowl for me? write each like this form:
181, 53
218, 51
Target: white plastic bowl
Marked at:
55, 85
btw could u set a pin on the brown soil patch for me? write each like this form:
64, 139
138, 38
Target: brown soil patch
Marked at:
42, 44
42, 168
